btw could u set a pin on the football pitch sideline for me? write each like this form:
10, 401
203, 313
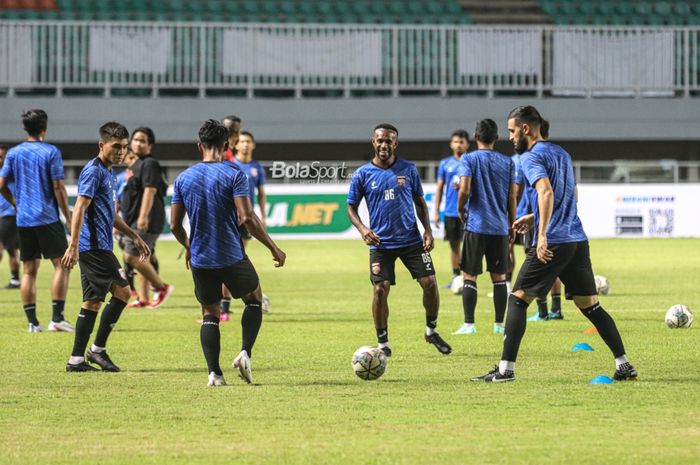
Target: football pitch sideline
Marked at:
307, 406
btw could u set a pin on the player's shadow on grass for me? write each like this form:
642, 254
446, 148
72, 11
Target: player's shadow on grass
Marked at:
169, 370
316, 320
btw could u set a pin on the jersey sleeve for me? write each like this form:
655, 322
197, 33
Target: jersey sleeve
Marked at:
56, 166
177, 195
6, 171
261, 175
533, 167
356, 191
417, 186
151, 173
88, 182
441, 176
241, 187
465, 169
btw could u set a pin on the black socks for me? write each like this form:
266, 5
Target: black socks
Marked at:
109, 318
469, 295
500, 300
57, 307
226, 305
515, 327
83, 330
30, 311
606, 328
250, 324
542, 308
556, 302
210, 338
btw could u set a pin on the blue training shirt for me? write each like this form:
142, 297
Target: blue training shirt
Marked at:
32, 166
255, 173
6, 208
491, 175
548, 160
523, 207
448, 173
207, 190
97, 182
389, 193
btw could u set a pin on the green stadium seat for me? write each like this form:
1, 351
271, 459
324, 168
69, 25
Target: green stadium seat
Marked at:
662, 8
642, 8
680, 8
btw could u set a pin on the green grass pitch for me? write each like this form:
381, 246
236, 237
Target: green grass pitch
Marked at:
307, 407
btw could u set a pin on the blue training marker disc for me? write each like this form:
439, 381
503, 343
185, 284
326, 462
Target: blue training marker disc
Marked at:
601, 379
583, 346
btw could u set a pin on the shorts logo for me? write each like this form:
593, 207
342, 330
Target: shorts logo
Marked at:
122, 273
427, 259
376, 268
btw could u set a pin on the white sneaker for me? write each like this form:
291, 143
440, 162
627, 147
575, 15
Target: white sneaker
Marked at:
216, 380
466, 329
64, 326
265, 306
242, 363
35, 329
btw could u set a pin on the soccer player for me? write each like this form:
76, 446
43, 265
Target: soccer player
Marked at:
215, 196
487, 183
448, 180
233, 126
143, 203
91, 246
36, 169
560, 247
9, 238
391, 187
122, 177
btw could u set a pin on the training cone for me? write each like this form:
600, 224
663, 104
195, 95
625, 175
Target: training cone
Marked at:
591, 330
601, 379
583, 346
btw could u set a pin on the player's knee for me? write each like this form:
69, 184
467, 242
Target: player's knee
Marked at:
122, 293
92, 305
582, 302
497, 277
428, 283
381, 289
211, 310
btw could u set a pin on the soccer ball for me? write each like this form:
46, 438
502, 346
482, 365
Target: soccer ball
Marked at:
457, 284
265, 307
679, 316
602, 285
369, 363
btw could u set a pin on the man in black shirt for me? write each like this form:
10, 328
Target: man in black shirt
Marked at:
143, 204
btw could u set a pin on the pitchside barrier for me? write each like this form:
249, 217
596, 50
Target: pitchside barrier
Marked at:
318, 211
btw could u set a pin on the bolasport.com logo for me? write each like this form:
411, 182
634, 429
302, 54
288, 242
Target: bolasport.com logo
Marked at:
310, 172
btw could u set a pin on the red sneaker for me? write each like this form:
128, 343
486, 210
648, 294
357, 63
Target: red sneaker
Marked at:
162, 295
134, 294
139, 304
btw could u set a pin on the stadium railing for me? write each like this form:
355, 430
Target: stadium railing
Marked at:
248, 59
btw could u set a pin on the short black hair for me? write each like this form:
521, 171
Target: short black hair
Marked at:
34, 121
461, 133
4, 146
527, 114
387, 126
486, 131
113, 130
149, 134
249, 134
544, 129
213, 134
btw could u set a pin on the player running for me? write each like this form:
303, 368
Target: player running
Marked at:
214, 194
36, 169
91, 246
9, 237
560, 248
488, 184
391, 187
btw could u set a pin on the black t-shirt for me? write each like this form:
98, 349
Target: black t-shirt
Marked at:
147, 173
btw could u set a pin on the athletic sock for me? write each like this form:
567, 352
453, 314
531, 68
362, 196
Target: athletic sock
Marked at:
621, 362
129, 271
509, 276
57, 307
83, 330
250, 324
210, 338
504, 366
500, 299
30, 311
542, 308
225, 305
430, 324
516, 321
109, 318
15, 275
556, 302
382, 335
606, 328
469, 300
455, 272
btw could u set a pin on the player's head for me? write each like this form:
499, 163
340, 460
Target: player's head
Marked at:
130, 157
213, 137
3, 151
385, 139
544, 129
459, 142
34, 122
142, 141
246, 144
114, 141
233, 125
486, 131
524, 127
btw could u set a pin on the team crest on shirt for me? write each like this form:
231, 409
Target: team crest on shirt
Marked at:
376, 268
254, 172
401, 180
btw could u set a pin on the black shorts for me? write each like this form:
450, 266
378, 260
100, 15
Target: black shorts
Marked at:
130, 247
477, 245
240, 279
48, 240
526, 240
415, 258
571, 263
99, 269
9, 237
245, 234
454, 229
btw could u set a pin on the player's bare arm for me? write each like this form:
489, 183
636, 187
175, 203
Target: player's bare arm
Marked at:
149, 193
121, 226
5, 191
465, 187
59, 191
369, 236
424, 218
545, 203
262, 201
70, 258
177, 215
247, 216
438, 200
512, 207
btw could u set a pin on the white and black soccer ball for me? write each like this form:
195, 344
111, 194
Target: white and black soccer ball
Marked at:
457, 284
679, 316
369, 363
602, 285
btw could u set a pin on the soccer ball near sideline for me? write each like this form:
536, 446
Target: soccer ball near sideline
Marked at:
369, 363
679, 316
457, 284
602, 285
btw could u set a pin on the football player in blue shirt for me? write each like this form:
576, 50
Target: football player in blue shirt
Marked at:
215, 196
391, 187
36, 169
487, 182
91, 246
9, 237
560, 248
448, 180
